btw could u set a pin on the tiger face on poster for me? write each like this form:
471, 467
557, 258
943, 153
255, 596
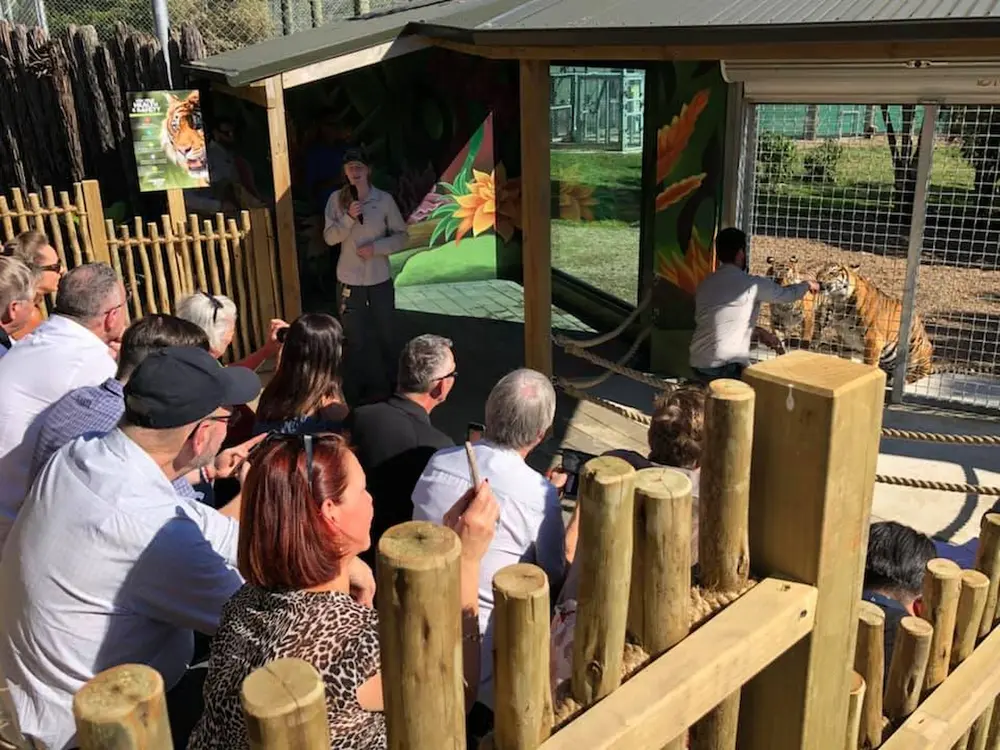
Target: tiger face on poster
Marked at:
168, 139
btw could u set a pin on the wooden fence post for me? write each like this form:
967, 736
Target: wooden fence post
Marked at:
264, 267
869, 662
605, 552
522, 691
988, 563
971, 603
95, 220
910, 653
284, 704
815, 445
942, 586
854, 710
660, 601
123, 708
723, 540
420, 632
176, 208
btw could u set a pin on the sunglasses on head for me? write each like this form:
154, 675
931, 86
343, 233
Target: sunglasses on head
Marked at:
308, 441
216, 306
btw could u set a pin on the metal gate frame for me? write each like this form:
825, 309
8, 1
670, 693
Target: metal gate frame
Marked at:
738, 201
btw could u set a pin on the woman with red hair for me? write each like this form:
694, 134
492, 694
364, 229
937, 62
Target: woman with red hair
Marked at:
306, 516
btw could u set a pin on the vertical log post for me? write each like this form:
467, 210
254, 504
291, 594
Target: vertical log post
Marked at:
176, 208
95, 221
869, 662
815, 446
284, 704
660, 601
908, 669
942, 586
723, 538
536, 235
971, 603
988, 563
854, 707
123, 708
522, 701
420, 632
605, 553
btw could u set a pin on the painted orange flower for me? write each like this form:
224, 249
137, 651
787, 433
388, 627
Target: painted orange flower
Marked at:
678, 191
689, 270
508, 203
672, 139
477, 208
576, 202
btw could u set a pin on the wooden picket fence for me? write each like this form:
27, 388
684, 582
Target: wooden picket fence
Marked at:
757, 654
161, 262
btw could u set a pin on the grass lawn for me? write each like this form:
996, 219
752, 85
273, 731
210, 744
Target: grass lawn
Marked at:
608, 169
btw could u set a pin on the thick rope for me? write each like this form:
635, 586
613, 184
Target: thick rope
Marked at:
586, 383
562, 341
628, 372
930, 484
625, 411
936, 437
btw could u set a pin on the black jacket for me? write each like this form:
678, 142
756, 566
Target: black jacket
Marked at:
394, 440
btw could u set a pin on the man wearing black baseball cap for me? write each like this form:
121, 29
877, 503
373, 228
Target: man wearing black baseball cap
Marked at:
107, 563
367, 224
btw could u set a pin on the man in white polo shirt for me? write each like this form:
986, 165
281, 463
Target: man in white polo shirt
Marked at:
107, 564
726, 305
68, 351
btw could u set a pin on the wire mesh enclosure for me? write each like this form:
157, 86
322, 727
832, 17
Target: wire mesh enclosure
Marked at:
599, 108
895, 219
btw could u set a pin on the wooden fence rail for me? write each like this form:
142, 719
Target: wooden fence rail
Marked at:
816, 417
161, 262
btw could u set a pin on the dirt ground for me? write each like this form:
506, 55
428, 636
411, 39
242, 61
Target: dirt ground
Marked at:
960, 307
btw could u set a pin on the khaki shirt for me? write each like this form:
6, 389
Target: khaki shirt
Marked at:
383, 228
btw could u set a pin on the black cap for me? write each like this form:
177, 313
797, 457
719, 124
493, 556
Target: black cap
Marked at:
355, 153
181, 385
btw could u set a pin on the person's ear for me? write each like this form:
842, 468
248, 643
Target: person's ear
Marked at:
918, 607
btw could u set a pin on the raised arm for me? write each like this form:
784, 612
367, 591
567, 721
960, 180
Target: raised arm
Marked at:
338, 223
771, 291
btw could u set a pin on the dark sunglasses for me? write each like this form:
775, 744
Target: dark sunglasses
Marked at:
216, 306
54, 267
308, 441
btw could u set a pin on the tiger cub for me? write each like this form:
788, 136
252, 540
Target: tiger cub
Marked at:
868, 319
802, 317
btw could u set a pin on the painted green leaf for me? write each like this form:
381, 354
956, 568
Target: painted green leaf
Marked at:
452, 228
450, 188
465, 174
445, 209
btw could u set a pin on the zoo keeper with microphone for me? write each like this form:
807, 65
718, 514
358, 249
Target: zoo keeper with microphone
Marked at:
367, 223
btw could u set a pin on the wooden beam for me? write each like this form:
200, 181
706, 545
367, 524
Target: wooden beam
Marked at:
958, 701
360, 59
814, 52
677, 689
255, 93
815, 444
536, 236
284, 211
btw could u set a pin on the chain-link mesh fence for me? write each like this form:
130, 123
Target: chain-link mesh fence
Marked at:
224, 24
840, 209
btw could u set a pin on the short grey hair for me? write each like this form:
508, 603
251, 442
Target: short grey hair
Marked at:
520, 407
86, 292
422, 362
214, 313
16, 282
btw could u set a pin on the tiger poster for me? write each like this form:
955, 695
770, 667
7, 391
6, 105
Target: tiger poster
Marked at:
168, 138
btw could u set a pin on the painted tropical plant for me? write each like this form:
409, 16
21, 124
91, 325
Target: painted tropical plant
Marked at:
685, 270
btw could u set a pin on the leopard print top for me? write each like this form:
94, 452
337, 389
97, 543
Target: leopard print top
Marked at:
330, 630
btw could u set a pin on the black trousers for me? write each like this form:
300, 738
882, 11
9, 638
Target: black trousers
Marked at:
370, 360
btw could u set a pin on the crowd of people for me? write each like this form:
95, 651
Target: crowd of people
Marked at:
158, 507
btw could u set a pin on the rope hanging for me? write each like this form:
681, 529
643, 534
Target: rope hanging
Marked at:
930, 484
585, 383
936, 437
640, 377
562, 341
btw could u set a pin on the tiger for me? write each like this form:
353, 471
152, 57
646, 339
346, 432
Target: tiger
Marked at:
803, 316
868, 319
182, 136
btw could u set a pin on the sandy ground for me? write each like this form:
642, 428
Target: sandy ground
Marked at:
960, 307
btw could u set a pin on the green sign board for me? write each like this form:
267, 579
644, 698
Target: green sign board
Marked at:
168, 139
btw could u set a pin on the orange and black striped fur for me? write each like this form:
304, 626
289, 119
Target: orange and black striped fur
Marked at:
869, 319
801, 318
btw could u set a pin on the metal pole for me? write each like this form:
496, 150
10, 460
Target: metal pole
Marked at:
40, 16
735, 155
161, 22
925, 158
748, 162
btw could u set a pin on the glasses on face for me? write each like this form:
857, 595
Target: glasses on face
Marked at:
54, 267
125, 301
452, 374
228, 419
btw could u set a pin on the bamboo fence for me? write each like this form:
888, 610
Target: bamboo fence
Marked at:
727, 657
161, 262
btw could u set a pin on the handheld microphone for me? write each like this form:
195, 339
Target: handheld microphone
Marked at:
354, 196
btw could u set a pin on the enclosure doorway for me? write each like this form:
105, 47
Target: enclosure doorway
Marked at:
596, 121
905, 193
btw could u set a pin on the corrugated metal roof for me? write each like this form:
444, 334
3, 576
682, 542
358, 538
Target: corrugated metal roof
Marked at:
583, 22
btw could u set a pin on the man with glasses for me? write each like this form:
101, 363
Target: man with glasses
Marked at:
107, 564
69, 350
394, 439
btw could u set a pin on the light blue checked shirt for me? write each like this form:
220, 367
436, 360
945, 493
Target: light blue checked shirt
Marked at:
91, 410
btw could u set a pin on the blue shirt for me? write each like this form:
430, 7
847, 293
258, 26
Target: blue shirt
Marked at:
91, 410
